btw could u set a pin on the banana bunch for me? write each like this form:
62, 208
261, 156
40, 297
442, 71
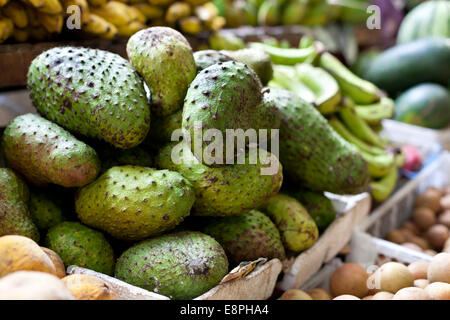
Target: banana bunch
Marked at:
30, 19
353, 106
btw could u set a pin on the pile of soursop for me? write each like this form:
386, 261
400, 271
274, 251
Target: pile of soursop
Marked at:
92, 177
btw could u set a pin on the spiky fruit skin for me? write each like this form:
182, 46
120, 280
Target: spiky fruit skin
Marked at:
255, 59
45, 211
91, 92
180, 265
312, 153
15, 217
164, 58
82, 246
247, 237
162, 129
46, 153
206, 58
112, 157
297, 229
226, 190
133, 203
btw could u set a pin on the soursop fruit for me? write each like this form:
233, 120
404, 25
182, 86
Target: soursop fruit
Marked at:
45, 211
91, 92
46, 153
79, 245
181, 265
15, 217
205, 58
225, 190
165, 60
162, 129
112, 157
247, 237
133, 203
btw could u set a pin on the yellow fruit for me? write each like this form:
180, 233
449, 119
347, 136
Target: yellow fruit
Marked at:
130, 29
51, 7
57, 262
16, 12
191, 25
21, 35
97, 3
87, 287
36, 3
51, 22
136, 15
99, 26
216, 23
206, 12
162, 3
6, 29
3, 2
114, 12
177, 11
150, 12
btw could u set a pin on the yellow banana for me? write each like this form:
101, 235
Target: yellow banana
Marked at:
3, 2
38, 33
177, 11
216, 23
53, 23
197, 2
99, 26
114, 12
206, 12
150, 12
383, 188
35, 3
162, 3
21, 35
191, 25
6, 28
32, 17
50, 7
97, 3
373, 114
82, 4
130, 29
16, 12
136, 15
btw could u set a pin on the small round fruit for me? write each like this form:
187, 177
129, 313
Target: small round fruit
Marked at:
350, 278
383, 295
421, 283
411, 293
22, 253
419, 269
295, 294
346, 297
437, 235
445, 202
411, 227
87, 287
424, 218
396, 236
57, 262
421, 242
439, 268
429, 199
391, 277
444, 218
407, 234
319, 294
438, 290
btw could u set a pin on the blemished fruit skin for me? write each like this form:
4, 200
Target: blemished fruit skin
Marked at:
297, 229
223, 191
247, 237
133, 203
312, 153
91, 92
82, 246
206, 58
45, 211
165, 60
255, 59
15, 218
181, 265
46, 153
426, 105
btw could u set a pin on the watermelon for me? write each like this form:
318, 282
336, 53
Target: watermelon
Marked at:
426, 105
429, 19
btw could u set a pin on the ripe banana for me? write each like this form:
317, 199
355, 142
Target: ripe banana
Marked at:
51, 7
287, 56
326, 90
383, 188
82, 4
374, 113
340, 128
6, 28
99, 26
357, 125
97, 3
53, 23
191, 25
361, 91
21, 35
130, 29
32, 17
3, 2
115, 13
149, 11
16, 12
136, 15
177, 11
216, 23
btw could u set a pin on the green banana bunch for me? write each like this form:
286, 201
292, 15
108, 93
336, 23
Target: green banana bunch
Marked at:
374, 113
287, 56
381, 189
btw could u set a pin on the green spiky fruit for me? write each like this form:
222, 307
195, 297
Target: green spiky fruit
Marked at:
79, 245
297, 229
112, 157
133, 203
162, 129
206, 58
247, 237
46, 153
92, 92
255, 59
45, 211
14, 215
181, 265
165, 59
227, 190
312, 153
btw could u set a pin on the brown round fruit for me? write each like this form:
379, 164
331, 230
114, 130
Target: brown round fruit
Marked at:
57, 262
421, 283
424, 218
408, 235
346, 297
383, 295
418, 269
391, 277
411, 227
444, 218
87, 287
412, 246
22, 253
437, 235
350, 278
429, 199
421, 242
396, 236
411, 293
445, 202
319, 294
438, 290
439, 268
295, 294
